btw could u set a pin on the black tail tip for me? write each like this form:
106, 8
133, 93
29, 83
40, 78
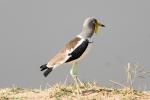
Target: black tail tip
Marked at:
43, 67
47, 71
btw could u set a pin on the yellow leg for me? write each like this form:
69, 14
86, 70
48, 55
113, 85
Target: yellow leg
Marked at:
77, 78
73, 73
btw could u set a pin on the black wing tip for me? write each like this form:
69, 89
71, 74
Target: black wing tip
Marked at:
43, 67
47, 71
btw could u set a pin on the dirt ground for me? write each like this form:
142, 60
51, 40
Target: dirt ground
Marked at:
60, 92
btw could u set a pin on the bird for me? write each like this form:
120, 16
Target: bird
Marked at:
73, 51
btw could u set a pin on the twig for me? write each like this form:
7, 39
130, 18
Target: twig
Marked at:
117, 83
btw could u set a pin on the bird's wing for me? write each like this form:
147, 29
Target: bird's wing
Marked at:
66, 53
78, 51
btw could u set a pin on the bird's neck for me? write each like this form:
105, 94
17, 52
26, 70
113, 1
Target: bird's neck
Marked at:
86, 33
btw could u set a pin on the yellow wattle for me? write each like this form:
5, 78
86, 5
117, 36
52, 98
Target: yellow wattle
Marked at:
96, 28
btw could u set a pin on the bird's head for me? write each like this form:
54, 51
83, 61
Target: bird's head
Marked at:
91, 25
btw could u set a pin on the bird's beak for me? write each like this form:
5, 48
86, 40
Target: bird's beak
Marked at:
97, 27
102, 25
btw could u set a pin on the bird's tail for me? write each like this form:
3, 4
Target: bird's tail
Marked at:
48, 69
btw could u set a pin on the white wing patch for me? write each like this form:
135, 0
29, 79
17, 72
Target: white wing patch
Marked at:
72, 49
77, 45
68, 51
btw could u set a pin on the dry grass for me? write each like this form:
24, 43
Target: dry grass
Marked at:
90, 91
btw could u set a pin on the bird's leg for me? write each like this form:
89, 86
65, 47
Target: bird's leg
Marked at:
73, 73
77, 78
80, 82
